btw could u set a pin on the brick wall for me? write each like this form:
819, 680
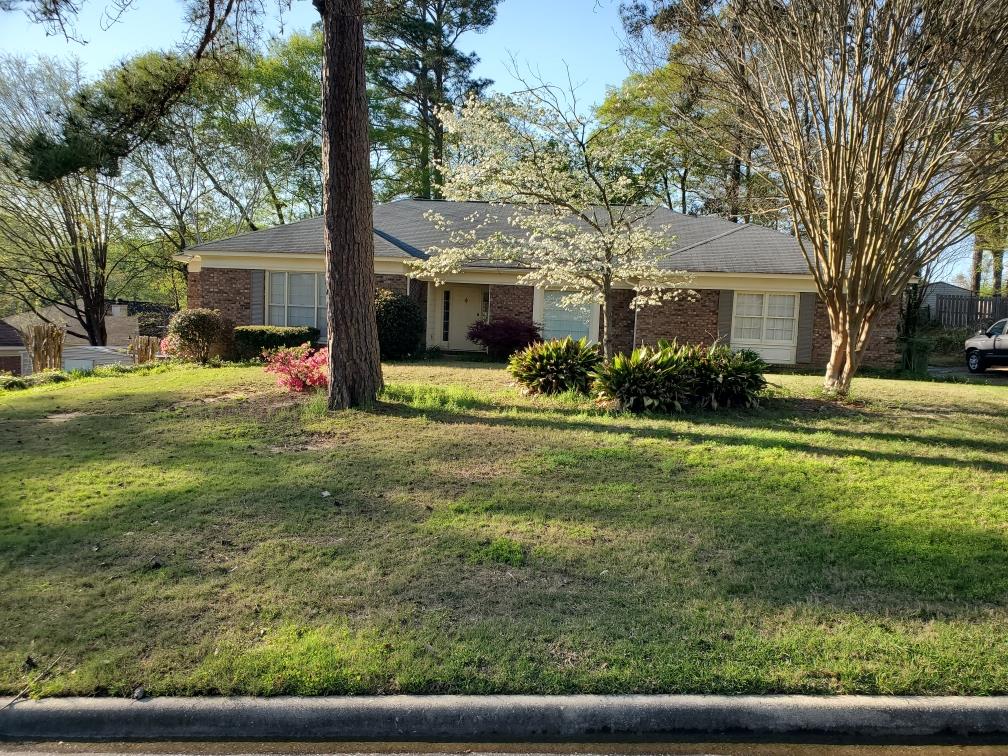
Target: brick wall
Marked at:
622, 327
688, 320
511, 301
883, 350
226, 289
194, 290
390, 281
10, 364
415, 290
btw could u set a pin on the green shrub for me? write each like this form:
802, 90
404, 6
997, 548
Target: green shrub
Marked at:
251, 341
737, 378
41, 378
45, 377
552, 367
649, 379
949, 341
401, 325
12, 383
916, 350
196, 331
672, 377
223, 347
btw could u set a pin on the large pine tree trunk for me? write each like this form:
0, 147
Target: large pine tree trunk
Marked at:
354, 365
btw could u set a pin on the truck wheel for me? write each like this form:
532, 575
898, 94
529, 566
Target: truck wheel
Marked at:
975, 362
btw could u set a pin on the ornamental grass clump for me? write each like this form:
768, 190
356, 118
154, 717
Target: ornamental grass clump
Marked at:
144, 349
672, 378
737, 377
649, 379
299, 368
553, 367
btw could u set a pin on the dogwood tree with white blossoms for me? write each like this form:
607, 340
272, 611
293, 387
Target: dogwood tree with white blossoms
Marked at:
581, 226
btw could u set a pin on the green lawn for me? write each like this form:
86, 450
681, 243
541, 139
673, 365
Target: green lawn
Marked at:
172, 530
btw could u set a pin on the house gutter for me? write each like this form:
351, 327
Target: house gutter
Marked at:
515, 718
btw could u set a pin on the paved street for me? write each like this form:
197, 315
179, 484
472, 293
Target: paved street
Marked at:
995, 374
535, 749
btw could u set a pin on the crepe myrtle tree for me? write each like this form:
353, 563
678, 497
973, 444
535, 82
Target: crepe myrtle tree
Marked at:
884, 122
581, 226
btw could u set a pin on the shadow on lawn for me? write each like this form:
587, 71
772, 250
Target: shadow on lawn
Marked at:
783, 415
620, 542
798, 550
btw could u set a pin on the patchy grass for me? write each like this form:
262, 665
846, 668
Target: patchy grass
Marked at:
198, 531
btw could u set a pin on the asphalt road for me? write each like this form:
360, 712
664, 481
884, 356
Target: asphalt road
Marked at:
994, 374
533, 749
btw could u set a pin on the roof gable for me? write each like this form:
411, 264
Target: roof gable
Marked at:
9, 336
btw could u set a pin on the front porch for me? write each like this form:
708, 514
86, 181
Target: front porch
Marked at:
454, 306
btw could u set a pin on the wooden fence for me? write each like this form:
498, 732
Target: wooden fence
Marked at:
966, 311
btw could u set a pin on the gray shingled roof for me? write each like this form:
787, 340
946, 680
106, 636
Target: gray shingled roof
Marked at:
9, 336
702, 244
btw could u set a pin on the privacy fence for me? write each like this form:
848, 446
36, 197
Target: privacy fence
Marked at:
965, 311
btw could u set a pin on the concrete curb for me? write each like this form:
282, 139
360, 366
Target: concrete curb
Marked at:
511, 718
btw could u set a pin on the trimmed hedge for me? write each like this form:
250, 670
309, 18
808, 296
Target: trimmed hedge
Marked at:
196, 331
401, 325
251, 341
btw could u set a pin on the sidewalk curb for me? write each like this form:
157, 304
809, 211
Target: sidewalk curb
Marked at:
509, 718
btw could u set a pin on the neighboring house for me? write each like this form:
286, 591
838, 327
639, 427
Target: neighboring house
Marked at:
752, 285
942, 288
123, 323
13, 355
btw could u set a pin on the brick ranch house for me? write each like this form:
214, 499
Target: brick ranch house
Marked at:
752, 285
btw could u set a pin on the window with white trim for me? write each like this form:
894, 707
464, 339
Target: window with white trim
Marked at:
561, 322
765, 318
296, 299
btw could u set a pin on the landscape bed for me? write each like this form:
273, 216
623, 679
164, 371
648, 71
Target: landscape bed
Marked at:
200, 531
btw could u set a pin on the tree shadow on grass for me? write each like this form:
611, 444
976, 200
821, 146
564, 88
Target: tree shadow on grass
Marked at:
783, 417
624, 546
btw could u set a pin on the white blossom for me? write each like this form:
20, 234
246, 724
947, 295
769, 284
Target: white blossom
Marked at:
577, 220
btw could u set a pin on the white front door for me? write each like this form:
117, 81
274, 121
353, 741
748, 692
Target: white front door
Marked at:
466, 306
451, 309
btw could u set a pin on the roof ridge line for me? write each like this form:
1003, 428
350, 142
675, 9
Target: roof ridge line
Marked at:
407, 248
729, 232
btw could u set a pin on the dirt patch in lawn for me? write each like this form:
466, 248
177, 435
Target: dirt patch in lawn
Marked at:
200, 401
63, 417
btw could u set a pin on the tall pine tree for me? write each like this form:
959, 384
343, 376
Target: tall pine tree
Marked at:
414, 56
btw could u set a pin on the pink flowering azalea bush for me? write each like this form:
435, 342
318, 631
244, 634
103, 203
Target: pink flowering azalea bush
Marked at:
299, 368
170, 346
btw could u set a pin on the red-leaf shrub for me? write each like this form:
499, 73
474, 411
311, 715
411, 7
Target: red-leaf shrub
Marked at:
504, 336
299, 368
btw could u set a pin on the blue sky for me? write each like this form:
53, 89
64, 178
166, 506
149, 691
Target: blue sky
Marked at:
549, 35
